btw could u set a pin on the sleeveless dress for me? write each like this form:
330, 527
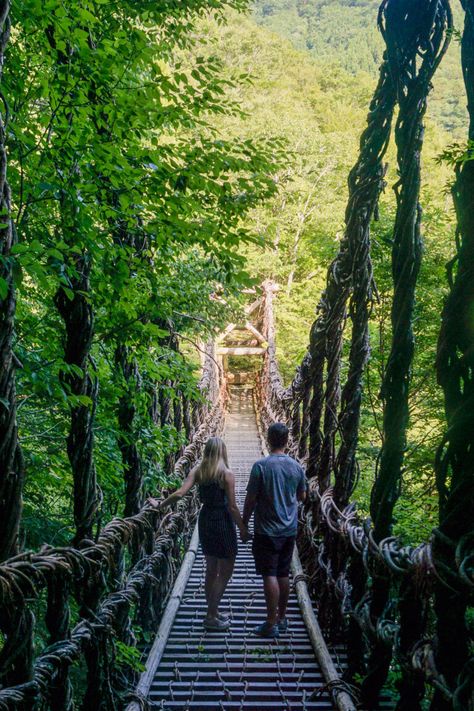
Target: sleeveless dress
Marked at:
216, 528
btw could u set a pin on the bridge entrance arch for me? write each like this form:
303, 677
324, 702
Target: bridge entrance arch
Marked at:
241, 347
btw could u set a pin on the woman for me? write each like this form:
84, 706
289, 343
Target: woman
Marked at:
217, 519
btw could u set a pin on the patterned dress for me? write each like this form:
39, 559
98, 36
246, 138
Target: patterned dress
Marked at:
216, 528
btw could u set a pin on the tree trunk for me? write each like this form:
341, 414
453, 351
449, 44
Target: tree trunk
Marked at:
78, 318
132, 465
11, 461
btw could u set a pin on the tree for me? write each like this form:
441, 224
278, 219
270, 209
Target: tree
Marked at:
121, 188
11, 461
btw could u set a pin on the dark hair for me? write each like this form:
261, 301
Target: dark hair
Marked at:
277, 435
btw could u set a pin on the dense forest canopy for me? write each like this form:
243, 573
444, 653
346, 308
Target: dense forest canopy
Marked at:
344, 33
140, 192
205, 118
121, 191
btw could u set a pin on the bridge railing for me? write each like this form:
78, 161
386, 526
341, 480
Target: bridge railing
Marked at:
71, 619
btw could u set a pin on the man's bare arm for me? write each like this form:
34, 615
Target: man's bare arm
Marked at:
250, 503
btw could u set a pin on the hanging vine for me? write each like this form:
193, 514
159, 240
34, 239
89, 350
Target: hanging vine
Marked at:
412, 31
366, 182
417, 37
453, 539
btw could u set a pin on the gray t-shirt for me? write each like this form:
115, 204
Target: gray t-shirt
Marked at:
277, 481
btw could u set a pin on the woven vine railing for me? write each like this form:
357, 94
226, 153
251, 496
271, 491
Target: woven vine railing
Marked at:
397, 606
85, 608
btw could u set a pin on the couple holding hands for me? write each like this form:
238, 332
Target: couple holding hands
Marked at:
276, 484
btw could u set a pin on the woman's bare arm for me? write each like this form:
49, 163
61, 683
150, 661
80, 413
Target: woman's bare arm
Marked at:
186, 486
229, 486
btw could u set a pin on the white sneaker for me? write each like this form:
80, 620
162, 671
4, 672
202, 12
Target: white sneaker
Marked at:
215, 624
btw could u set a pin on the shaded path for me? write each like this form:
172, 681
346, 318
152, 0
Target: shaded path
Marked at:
201, 670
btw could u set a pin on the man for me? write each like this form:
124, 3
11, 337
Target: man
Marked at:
277, 483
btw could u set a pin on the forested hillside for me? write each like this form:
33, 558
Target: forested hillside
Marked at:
89, 225
344, 33
321, 117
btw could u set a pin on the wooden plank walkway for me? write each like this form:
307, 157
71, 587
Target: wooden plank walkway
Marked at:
236, 670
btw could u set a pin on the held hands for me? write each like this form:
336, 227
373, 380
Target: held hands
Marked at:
245, 535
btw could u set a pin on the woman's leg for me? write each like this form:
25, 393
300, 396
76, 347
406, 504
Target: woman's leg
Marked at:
217, 584
225, 568
211, 577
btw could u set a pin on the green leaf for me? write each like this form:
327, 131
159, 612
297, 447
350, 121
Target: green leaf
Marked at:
3, 288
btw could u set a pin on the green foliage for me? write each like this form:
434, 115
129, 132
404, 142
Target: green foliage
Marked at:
128, 656
143, 142
343, 33
457, 154
321, 115
115, 164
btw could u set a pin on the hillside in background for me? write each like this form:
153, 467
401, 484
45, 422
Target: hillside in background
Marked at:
344, 32
320, 115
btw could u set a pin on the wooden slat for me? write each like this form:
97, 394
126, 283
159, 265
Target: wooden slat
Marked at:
241, 350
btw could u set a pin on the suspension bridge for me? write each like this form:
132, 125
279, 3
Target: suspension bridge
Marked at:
77, 623
136, 567
189, 668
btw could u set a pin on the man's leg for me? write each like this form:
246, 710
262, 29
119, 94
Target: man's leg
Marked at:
272, 596
284, 594
266, 558
284, 563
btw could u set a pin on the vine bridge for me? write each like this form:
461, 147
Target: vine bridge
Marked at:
189, 668
75, 622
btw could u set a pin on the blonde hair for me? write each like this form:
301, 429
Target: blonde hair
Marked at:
214, 462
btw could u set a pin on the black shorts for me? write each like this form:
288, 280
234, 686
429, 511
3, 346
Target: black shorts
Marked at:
273, 555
